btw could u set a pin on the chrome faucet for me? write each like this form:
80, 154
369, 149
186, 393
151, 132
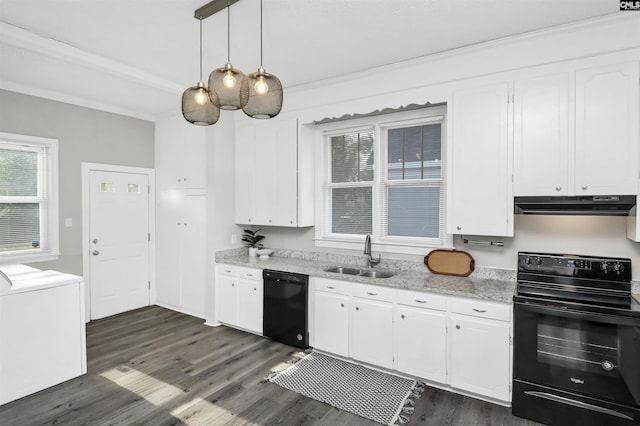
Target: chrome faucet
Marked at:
367, 250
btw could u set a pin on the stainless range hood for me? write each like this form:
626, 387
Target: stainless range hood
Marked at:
597, 205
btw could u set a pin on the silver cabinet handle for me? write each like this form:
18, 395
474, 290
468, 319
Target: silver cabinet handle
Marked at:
95, 241
95, 252
420, 301
372, 294
480, 310
458, 327
330, 287
558, 188
249, 275
342, 305
233, 285
585, 187
402, 316
228, 270
459, 227
357, 309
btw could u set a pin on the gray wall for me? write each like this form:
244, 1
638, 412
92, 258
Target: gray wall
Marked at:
84, 135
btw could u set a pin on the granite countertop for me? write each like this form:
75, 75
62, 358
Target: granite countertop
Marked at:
480, 287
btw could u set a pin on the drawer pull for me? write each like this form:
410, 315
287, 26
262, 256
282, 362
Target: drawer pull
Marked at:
372, 294
228, 270
331, 287
342, 305
249, 275
357, 309
480, 310
420, 301
402, 316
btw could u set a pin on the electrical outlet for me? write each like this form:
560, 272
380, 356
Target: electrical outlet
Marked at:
68, 222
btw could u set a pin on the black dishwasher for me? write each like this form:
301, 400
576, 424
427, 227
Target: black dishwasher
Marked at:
285, 307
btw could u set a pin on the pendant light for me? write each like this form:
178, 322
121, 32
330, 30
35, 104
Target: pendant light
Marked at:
261, 92
199, 105
226, 81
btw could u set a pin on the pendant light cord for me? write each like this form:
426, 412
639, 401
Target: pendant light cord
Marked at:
261, 34
228, 32
200, 48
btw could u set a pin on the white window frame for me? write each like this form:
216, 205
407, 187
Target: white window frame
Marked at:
49, 242
380, 125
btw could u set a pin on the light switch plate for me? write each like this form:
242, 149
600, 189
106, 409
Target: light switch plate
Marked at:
68, 222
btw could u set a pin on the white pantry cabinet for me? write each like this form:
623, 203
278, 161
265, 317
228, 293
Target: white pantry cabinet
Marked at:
273, 174
480, 347
601, 156
331, 304
480, 189
420, 331
239, 297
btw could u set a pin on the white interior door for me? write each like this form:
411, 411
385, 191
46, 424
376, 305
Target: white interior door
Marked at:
119, 242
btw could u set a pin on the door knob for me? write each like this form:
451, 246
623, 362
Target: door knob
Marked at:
95, 252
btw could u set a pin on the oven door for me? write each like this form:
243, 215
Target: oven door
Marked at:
589, 353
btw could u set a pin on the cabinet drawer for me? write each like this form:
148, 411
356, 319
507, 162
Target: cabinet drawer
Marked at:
249, 273
230, 270
333, 286
422, 299
481, 308
374, 292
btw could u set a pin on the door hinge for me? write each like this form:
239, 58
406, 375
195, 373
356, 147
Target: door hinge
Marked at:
149, 284
510, 340
149, 236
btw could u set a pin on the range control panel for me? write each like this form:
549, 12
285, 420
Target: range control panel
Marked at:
595, 267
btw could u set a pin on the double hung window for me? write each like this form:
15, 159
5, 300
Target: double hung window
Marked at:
28, 198
383, 176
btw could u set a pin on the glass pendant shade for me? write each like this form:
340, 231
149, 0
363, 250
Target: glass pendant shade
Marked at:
226, 83
261, 95
199, 105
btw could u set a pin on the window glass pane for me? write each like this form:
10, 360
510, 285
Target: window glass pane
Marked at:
133, 187
351, 212
352, 157
19, 226
413, 212
107, 187
18, 173
414, 152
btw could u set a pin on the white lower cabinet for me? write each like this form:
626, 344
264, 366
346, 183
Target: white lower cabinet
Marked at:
239, 297
421, 343
372, 332
331, 319
480, 348
455, 343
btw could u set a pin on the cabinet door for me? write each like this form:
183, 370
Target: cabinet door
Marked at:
331, 323
227, 299
480, 356
265, 193
541, 136
285, 211
421, 342
480, 190
607, 115
372, 332
250, 305
193, 256
244, 175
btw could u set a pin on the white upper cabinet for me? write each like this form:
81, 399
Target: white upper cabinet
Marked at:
272, 174
607, 115
541, 136
180, 154
480, 189
582, 143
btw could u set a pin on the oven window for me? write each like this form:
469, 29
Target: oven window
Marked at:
590, 349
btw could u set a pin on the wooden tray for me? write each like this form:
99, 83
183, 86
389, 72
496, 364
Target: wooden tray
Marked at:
450, 262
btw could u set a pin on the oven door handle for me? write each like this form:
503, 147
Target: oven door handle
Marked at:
579, 404
567, 312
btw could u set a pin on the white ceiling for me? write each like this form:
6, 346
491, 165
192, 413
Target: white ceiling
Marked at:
135, 57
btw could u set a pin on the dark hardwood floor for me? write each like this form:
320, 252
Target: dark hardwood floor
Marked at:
154, 366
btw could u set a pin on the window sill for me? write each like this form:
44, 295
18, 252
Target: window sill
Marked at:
28, 258
380, 247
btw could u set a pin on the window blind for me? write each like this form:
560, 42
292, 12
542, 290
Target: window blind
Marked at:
21, 196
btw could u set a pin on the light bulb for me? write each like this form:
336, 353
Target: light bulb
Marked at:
200, 97
261, 86
229, 80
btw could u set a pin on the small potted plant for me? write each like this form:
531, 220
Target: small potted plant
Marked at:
252, 240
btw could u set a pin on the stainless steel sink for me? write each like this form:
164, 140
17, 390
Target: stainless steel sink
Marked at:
344, 270
372, 273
